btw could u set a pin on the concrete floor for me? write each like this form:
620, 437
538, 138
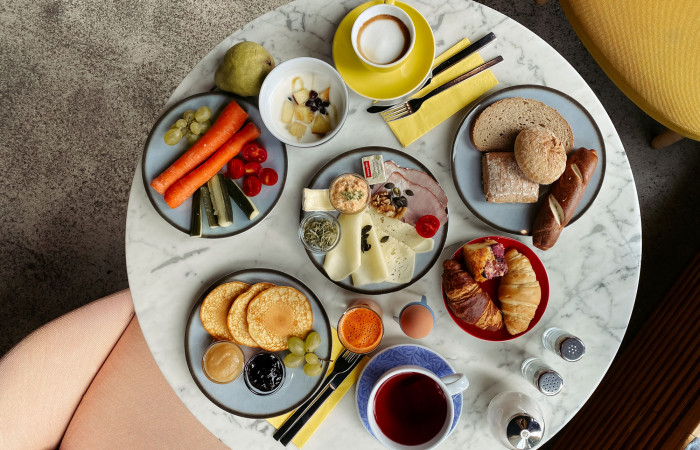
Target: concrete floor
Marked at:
83, 81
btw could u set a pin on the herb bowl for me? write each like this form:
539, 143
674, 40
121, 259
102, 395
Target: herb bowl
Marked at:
311, 228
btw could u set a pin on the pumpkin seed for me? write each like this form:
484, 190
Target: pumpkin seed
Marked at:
384, 239
397, 191
409, 192
389, 186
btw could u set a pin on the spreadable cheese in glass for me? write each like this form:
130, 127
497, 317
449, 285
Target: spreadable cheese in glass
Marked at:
564, 344
543, 377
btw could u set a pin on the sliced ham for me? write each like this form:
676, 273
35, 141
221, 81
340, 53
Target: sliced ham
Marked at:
416, 177
421, 203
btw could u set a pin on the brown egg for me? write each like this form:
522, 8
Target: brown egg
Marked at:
416, 321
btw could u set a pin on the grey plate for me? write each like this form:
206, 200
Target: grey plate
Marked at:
352, 162
517, 218
235, 397
157, 156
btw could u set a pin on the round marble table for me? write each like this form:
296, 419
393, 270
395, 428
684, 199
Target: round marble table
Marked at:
593, 270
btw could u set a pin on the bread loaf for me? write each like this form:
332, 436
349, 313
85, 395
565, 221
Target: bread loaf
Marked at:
498, 124
563, 198
504, 182
519, 292
467, 300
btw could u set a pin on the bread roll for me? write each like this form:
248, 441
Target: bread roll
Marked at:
540, 155
519, 292
563, 199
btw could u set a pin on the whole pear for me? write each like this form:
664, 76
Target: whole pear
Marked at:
244, 68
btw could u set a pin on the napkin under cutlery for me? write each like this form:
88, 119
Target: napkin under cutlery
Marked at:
317, 419
445, 104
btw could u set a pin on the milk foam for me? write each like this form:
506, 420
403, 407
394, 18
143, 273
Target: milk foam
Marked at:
383, 40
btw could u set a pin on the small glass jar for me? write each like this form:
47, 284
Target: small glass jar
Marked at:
564, 344
541, 376
264, 373
309, 235
515, 420
349, 193
222, 362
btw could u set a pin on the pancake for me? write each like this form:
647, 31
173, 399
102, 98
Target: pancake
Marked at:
215, 307
277, 313
237, 316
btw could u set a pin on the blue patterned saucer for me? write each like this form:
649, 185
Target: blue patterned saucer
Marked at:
401, 355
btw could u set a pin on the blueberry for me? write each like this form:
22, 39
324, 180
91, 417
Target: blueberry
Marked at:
313, 108
318, 101
322, 110
326, 104
313, 94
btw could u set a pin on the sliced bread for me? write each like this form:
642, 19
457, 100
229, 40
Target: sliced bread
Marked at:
499, 124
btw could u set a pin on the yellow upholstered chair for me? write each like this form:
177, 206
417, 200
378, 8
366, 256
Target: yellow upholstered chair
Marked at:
651, 51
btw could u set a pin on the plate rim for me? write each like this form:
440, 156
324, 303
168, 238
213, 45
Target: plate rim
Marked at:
403, 5
193, 314
415, 278
147, 185
532, 324
481, 102
394, 347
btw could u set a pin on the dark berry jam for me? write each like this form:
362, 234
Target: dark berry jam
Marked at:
264, 373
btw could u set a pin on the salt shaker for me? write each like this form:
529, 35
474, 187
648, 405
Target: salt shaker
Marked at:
543, 377
564, 344
515, 420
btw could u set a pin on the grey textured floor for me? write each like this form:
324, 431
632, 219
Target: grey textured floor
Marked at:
83, 81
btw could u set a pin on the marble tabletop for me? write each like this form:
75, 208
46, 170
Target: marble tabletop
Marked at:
593, 270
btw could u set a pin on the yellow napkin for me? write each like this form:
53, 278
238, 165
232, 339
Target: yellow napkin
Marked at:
322, 412
445, 104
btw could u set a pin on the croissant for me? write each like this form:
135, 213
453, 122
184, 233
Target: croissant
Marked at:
467, 300
519, 292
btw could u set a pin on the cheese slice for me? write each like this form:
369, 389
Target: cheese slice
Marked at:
400, 260
373, 268
316, 200
344, 259
402, 231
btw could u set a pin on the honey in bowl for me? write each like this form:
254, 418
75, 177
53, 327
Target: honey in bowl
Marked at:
223, 362
360, 329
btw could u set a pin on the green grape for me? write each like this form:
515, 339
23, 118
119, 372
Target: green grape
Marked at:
205, 126
311, 358
313, 340
202, 114
313, 370
293, 361
191, 138
172, 136
295, 345
196, 128
188, 115
181, 123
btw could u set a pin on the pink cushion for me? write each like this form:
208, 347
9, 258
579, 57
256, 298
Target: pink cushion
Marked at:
131, 405
43, 378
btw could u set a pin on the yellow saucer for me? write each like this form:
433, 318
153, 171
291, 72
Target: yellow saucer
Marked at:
390, 84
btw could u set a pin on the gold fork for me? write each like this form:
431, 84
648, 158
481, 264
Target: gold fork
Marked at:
413, 105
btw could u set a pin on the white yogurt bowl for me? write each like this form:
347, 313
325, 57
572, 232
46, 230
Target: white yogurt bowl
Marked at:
280, 84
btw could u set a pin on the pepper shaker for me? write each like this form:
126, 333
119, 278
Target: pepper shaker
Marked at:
543, 377
564, 344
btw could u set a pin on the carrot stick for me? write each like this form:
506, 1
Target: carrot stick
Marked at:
229, 121
187, 185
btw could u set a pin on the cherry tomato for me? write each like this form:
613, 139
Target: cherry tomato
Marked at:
268, 176
254, 152
427, 226
252, 168
251, 186
235, 169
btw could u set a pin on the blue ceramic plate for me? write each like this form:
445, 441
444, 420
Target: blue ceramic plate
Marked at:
157, 156
352, 162
235, 397
401, 355
517, 218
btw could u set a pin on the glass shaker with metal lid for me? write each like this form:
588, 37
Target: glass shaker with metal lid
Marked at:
564, 344
515, 420
543, 377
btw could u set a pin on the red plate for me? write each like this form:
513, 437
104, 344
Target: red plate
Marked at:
491, 287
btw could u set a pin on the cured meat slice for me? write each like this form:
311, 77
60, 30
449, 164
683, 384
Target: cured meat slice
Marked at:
417, 177
422, 202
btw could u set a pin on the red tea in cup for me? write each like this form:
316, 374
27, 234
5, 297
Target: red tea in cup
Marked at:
410, 408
